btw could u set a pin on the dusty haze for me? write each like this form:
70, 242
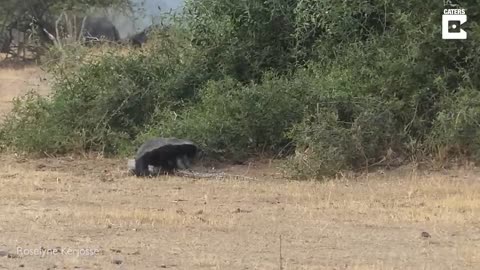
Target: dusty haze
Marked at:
145, 12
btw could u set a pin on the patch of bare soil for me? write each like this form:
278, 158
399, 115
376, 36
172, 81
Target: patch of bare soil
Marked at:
397, 220
16, 81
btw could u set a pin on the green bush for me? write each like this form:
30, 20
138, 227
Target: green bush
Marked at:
346, 85
456, 127
243, 38
103, 103
234, 120
27, 127
344, 134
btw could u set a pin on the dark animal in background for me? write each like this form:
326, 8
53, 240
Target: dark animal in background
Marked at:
100, 28
94, 29
161, 155
139, 39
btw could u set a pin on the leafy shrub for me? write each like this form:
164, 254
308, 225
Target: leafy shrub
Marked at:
233, 120
243, 38
26, 126
347, 85
456, 128
344, 134
104, 102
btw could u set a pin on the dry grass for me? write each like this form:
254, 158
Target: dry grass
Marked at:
371, 222
15, 82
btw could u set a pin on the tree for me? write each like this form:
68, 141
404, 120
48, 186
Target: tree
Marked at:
39, 16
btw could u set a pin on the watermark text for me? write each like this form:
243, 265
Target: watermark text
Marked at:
44, 252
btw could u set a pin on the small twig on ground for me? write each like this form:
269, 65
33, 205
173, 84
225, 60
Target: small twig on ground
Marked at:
220, 175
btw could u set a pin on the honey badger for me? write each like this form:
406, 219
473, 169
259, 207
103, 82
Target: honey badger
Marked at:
163, 155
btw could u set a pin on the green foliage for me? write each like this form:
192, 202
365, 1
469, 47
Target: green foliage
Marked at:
20, 127
457, 124
243, 38
232, 120
103, 103
344, 134
340, 86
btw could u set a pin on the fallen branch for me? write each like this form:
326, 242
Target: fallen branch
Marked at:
219, 175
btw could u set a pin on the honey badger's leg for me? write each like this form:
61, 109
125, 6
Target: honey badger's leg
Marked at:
166, 166
131, 165
141, 167
155, 170
185, 156
187, 161
181, 163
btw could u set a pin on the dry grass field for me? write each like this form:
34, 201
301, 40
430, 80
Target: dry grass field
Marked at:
16, 81
399, 220
61, 208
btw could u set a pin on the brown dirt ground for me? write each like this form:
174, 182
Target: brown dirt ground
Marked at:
403, 219
370, 222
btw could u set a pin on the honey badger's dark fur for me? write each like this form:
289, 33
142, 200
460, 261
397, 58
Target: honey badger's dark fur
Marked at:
165, 155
